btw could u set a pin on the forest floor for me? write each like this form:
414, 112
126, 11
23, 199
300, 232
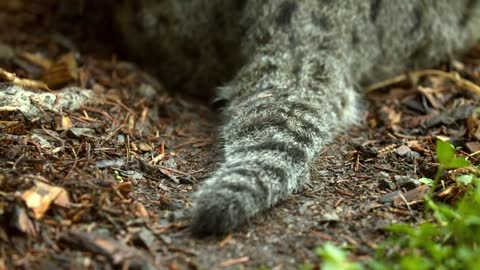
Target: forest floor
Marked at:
108, 185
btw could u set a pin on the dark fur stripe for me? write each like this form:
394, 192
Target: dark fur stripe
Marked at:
375, 6
240, 4
251, 174
302, 107
467, 13
260, 123
297, 154
242, 188
289, 108
355, 37
294, 110
321, 21
287, 9
279, 173
319, 75
417, 18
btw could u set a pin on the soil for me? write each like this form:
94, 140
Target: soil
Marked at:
130, 162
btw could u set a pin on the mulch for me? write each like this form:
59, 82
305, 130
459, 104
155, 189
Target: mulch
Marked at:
108, 185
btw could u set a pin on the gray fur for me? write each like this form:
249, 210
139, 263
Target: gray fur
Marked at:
289, 70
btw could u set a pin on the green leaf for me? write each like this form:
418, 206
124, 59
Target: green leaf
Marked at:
446, 157
332, 253
118, 177
415, 262
305, 266
401, 228
447, 212
445, 152
472, 221
335, 258
457, 162
466, 179
426, 181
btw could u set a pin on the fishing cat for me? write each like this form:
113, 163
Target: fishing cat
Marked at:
290, 71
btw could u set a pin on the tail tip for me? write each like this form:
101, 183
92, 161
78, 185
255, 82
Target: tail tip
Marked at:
215, 213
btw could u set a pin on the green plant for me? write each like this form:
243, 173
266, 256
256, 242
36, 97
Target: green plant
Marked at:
449, 239
447, 160
336, 258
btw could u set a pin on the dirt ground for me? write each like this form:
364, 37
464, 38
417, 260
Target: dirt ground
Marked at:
109, 185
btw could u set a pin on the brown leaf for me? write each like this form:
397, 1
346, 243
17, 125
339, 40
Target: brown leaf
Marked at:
125, 187
119, 253
63, 71
389, 116
63, 123
140, 210
473, 146
37, 60
412, 196
40, 197
145, 147
428, 93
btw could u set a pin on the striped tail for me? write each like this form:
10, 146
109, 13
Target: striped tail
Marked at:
275, 127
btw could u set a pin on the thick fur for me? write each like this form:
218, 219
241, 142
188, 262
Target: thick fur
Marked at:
289, 70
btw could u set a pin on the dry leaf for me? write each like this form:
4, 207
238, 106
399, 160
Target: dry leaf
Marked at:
40, 197
428, 94
389, 116
63, 71
413, 196
63, 123
145, 147
140, 210
125, 188
37, 60
473, 147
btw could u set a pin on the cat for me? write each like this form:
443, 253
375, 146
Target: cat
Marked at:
291, 72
